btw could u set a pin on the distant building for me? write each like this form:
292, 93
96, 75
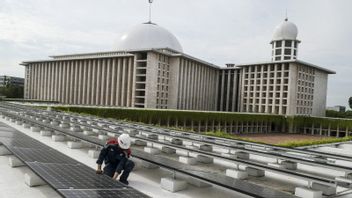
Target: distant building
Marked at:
337, 108
150, 70
10, 80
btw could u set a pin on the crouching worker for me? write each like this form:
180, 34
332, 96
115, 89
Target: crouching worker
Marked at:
115, 156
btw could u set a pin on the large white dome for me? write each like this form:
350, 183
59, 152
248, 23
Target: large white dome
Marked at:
147, 36
285, 31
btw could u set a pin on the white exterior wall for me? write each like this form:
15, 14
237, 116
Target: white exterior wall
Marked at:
154, 79
320, 92
82, 81
193, 76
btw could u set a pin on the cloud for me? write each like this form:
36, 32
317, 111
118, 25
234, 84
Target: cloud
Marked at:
222, 31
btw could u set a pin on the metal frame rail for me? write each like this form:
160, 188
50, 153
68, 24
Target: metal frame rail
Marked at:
229, 141
267, 153
220, 180
287, 172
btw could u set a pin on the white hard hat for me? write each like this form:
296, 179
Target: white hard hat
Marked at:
124, 141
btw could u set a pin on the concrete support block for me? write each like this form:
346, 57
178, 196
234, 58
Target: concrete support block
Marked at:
76, 129
151, 150
55, 123
31, 179
64, 125
58, 138
289, 165
45, 133
191, 147
173, 185
26, 126
176, 141
308, 193
255, 172
205, 159
149, 165
237, 174
187, 160
88, 133
4, 151
242, 155
112, 134
327, 190
46, 121
74, 145
35, 129
229, 155
15, 162
206, 147
93, 154
103, 137
140, 143
19, 122
168, 150
277, 165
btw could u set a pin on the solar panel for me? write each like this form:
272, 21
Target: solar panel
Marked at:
41, 155
12, 135
23, 143
3, 128
68, 176
100, 193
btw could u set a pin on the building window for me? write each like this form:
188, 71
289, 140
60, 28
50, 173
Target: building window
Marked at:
278, 43
288, 43
287, 51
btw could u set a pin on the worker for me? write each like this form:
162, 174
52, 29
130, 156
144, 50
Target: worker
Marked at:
115, 155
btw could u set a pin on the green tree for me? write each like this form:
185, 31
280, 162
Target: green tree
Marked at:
11, 91
350, 102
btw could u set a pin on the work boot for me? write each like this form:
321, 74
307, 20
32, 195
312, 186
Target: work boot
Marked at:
124, 182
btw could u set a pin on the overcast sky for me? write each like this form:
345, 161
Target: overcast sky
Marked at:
218, 31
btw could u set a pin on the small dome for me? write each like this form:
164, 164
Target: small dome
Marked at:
285, 31
147, 36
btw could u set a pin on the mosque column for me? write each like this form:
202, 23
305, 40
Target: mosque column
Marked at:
113, 83
123, 82
129, 82
103, 82
94, 82
118, 84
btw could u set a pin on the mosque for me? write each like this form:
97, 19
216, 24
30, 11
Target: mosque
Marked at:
149, 69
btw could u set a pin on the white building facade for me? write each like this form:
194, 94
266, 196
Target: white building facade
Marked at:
150, 70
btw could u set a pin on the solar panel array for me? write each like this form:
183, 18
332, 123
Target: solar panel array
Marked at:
67, 176
219, 179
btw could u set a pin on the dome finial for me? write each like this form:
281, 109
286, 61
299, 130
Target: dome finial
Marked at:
286, 18
150, 10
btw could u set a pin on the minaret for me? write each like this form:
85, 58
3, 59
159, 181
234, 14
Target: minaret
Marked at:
285, 42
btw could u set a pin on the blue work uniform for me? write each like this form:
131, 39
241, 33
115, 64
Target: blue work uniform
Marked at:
115, 160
